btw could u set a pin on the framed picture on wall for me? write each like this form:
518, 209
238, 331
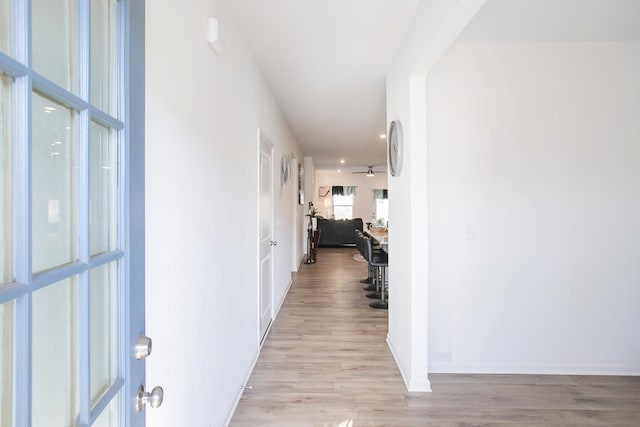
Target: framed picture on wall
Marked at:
300, 186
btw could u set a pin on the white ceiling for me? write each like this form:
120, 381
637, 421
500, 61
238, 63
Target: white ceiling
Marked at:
326, 61
555, 21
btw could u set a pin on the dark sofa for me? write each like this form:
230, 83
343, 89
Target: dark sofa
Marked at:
338, 232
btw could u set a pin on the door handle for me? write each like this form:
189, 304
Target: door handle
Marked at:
154, 399
273, 243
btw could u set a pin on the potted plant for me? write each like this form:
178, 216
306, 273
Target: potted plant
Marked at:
313, 216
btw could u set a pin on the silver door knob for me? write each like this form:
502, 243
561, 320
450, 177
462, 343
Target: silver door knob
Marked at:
154, 399
273, 243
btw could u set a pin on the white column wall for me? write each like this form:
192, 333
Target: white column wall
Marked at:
435, 27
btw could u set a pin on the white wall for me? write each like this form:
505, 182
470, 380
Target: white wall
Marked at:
203, 115
435, 27
567, 302
363, 206
536, 147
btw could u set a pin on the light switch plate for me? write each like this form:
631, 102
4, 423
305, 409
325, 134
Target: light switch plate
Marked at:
470, 232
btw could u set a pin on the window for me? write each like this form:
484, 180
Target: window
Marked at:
380, 207
382, 211
343, 206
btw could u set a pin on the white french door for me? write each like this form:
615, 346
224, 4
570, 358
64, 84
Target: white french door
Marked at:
69, 273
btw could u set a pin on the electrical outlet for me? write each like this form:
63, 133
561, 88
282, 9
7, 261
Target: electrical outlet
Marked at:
444, 356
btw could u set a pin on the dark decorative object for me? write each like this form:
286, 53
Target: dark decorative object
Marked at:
300, 188
313, 234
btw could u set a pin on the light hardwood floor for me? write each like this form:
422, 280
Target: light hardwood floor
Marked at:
325, 362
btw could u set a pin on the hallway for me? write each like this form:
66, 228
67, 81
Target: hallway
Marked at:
325, 356
325, 362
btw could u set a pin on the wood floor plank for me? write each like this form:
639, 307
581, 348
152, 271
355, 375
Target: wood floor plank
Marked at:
325, 363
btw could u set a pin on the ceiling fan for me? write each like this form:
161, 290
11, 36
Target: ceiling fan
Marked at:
370, 171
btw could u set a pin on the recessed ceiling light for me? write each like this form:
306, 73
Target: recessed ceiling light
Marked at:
383, 136
339, 171
342, 161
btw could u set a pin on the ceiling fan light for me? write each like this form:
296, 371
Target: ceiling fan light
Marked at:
370, 172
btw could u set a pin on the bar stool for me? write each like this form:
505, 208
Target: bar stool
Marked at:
373, 288
359, 245
379, 261
369, 280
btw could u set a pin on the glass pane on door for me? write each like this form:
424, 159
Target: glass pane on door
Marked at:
54, 176
103, 320
7, 366
109, 417
6, 26
55, 355
54, 37
103, 180
7, 267
103, 44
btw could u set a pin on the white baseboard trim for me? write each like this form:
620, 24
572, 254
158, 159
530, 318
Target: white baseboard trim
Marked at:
256, 357
241, 391
393, 353
450, 368
284, 297
411, 386
419, 386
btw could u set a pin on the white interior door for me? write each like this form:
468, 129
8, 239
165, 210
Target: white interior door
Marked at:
266, 239
66, 263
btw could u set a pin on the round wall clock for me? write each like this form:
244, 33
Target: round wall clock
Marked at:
395, 148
